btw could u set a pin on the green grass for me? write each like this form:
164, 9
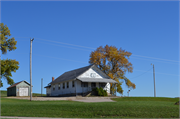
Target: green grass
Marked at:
4, 94
127, 107
146, 99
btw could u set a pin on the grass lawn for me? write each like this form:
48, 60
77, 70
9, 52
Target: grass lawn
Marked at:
127, 107
3, 93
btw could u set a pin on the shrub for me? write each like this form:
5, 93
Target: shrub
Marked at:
104, 93
100, 91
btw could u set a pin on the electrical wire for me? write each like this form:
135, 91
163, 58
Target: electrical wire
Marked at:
65, 46
155, 60
90, 50
60, 58
86, 63
66, 43
156, 72
95, 48
166, 74
141, 74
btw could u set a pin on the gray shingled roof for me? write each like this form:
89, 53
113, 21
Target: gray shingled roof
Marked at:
47, 86
71, 74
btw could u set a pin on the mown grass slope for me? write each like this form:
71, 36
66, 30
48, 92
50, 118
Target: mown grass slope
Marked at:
146, 99
3, 93
128, 107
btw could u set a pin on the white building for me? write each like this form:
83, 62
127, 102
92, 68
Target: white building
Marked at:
79, 82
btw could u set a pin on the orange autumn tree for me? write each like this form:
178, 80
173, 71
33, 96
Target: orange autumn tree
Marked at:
113, 62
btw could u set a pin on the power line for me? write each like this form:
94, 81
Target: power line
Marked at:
59, 58
61, 43
141, 74
155, 58
64, 46
86, 63
131, 56
95, 48
167, 74
90, 50
157, 72
87, 50
66, 43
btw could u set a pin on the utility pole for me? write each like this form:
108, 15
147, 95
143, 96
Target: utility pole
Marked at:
41, 86
75, 84
31, 68
154, 80
128, 92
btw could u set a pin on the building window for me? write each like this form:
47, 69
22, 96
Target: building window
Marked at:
84, 84
93, 85
63, 85
72, 83
67, 84
59, 86
53, 87
102, 85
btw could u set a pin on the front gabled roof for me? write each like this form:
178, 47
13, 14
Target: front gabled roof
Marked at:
71, 74
17, 84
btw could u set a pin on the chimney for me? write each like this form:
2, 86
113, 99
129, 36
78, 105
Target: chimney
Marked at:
52, 78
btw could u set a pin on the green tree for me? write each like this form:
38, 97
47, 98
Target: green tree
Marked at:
7, 44
113, 62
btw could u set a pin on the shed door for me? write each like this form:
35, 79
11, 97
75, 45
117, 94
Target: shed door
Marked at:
23, 91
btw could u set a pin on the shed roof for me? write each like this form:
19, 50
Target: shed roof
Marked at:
17, 84
71, 74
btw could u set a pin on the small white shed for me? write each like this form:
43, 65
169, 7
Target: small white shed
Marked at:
21, 88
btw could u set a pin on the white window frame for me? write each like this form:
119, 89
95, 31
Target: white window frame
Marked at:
53, 87
73, 84
64, 85
67, 85
59, 86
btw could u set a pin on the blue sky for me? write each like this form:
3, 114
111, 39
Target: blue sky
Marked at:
65, 33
